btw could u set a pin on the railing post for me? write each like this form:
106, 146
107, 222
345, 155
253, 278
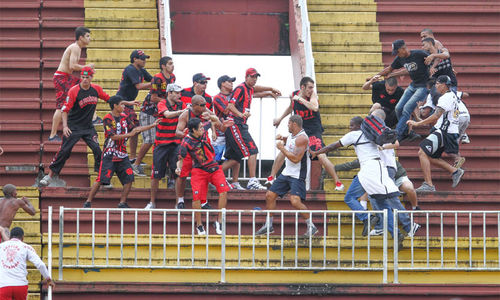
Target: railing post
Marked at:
384, 247
223, 248
168, 36
49, 252
395, 231
61, 241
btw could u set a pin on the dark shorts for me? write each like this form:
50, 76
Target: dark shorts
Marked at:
122, 168
63, 82
437, 142
284, 184
315, 142
164, 156
200, 179
239, 142
130, 112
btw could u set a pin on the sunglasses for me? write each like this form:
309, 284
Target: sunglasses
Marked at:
202, 104
202, 82
254, 76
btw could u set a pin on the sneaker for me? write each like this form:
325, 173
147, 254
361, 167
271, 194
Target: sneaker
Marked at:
456, 176
425, 188
55, 138
237, 186
97, 121
311, 230
412, 136
45, 181
123, 205
206, 206
218, 228
87, 204
263, 230
180, 205
171, 184
375, 232
401, 238
270, 180
414, 228
255, 185
138, 170
201, 230
150, 205
465, 139
458, 164
365, 227
339, 186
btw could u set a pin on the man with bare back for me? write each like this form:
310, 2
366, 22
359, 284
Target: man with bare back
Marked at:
63, 78
8, 209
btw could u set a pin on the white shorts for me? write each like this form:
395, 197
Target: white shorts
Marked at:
375, 179
399, 182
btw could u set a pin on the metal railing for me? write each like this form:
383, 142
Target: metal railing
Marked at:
306, 39
456, 227
167, 35
169, 237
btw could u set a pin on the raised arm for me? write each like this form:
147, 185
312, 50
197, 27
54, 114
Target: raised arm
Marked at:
26, 205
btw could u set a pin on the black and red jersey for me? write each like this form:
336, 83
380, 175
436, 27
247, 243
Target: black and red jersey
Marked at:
188, 93
220, 102
201, 151
165, 131
116, 126
242, 99
311, 119
159, 87
80, 106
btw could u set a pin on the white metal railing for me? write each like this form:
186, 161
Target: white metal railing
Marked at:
453, 219
306, 39
167, 35
174, 233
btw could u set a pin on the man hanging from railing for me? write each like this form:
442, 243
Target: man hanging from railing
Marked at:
204, 170
293, 178
304, 102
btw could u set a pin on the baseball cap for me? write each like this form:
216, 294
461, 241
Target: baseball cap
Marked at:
200, 77
444, 79
251, 72
138, 54
87, 71
172, 87
396, 45
225, 78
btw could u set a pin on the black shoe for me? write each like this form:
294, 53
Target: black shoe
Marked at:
97, 121
87, 204
180, 205
206, 206
171, 184
401, 238
365, 227
55, 138
412, 136
123, 205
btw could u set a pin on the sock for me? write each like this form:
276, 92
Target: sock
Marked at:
181, 200
413, 207
309, 223
364, 204
203, 204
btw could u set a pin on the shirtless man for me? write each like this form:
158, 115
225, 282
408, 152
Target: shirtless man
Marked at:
8, 208
63, 78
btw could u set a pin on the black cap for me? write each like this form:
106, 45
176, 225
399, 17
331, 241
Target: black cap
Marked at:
200, 77
444, 79
396, 45
225, 78
138, 54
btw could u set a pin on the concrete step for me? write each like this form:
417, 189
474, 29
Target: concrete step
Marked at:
344, 38
116, 58
121, 18
340, 78
120, 4
341, 17
125, 38
347, 57
342, 5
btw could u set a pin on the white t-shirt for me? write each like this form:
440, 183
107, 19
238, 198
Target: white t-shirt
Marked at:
366, 151
448, 102
428, 102
388, 156
13, 256
301, 169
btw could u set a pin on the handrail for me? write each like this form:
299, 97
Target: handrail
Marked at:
306, 39
165, 22
448, 264
318, 258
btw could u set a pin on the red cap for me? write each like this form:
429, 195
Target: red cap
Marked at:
88, 71
251, 72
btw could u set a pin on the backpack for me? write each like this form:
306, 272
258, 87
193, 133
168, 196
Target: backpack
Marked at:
376, 131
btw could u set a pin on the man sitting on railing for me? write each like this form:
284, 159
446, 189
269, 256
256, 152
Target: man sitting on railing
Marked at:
9, 206
205, 169
293, 177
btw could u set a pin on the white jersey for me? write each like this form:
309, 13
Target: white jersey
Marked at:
388, 157
301, 169
365, 150
13, 256
448, 121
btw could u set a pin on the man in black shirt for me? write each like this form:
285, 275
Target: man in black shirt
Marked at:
413, 62
385, 96
132, 81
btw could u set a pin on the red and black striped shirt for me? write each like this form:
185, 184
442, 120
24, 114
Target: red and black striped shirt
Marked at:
188, 93
201, 151
242, 99
220, 108
165, 131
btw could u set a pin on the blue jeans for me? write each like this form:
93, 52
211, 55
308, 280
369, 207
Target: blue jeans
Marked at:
352, 195
406, 106
219, 151
390, 204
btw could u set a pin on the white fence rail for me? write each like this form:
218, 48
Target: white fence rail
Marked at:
306, 39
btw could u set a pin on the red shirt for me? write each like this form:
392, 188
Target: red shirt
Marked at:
220, 108
165, 131
159, 87
242, 99
116, 126
188, 93
201, 151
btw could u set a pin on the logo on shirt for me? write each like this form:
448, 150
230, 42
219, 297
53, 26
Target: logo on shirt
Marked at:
87, 100
411, 67
10, 261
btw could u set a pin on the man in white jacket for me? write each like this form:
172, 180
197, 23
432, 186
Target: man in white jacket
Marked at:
13, 256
